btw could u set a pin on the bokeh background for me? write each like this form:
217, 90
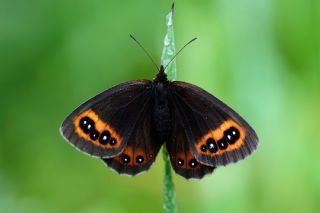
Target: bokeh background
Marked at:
261, 57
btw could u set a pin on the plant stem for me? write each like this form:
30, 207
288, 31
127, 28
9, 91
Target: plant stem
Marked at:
169, 205
169, 202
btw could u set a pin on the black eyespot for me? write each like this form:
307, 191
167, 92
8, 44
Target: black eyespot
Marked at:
86, 124
113, 141
180, 162
212, 145
94, 135
222, 144
193, 163
203, 148
104, 137
125, 158
232, 135
139, 159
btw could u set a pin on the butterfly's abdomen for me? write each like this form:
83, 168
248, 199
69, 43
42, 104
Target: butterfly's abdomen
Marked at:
161, 111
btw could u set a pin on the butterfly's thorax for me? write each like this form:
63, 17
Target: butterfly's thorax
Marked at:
161, 110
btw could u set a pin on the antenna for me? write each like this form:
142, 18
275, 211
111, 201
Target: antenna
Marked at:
192, 40
145, 51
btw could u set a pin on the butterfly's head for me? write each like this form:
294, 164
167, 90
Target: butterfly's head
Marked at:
161, 76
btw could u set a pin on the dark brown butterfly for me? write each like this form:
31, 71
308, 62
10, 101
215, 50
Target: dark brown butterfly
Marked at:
127, 124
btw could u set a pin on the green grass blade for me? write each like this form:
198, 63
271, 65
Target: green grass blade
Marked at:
169, 49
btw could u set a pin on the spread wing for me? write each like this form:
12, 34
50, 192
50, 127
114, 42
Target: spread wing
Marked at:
103, 125
215, 134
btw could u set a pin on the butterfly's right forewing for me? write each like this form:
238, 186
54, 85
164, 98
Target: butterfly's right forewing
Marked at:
216, 134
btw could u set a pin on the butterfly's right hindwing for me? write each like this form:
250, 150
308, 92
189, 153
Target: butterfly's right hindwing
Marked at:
182, 159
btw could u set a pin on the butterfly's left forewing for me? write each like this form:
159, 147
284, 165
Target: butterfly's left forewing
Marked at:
102, 126
216, 134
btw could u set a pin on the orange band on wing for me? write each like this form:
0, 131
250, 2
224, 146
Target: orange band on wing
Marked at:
100, 126
218, 134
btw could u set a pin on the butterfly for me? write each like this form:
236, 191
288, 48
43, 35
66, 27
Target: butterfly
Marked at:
127, 125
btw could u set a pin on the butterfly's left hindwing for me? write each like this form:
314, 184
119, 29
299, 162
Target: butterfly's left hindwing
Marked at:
142, 147
216, 134
102, 126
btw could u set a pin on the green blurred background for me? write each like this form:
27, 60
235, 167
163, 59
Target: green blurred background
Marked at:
261, 57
